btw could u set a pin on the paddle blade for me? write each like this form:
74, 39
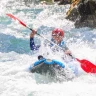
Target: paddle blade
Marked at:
87, 66
11, 16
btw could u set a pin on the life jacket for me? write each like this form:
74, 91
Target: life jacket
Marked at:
62, 45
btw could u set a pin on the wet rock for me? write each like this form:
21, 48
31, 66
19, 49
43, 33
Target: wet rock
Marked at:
63, 2
84, 15
73, 15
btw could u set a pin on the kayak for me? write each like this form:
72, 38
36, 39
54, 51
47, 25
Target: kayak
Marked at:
45, 66
54, 69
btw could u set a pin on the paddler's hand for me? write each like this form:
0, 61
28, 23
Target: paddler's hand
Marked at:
33, 33
68, 52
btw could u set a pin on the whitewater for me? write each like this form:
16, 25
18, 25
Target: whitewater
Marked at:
16, 56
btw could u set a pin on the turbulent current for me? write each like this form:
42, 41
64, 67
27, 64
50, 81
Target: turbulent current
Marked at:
16, 56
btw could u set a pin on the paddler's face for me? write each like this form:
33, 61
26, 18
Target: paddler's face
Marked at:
57, 38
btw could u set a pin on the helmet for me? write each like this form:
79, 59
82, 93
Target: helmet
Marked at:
58, 32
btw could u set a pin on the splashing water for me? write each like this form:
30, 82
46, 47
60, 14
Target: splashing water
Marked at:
16, 56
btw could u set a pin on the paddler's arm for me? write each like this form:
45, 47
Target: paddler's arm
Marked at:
66, 50
32, 44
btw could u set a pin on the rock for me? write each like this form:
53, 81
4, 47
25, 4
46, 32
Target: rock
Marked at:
63, 2
84, 15
73, 15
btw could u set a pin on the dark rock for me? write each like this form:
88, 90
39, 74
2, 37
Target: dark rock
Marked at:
63, 2
84, 15
86, 21
73, 15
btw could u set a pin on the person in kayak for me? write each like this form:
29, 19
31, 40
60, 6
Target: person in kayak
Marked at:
57, 38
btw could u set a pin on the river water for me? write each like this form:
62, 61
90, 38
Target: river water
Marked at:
16, 56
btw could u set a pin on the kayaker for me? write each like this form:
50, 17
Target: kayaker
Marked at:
57, 38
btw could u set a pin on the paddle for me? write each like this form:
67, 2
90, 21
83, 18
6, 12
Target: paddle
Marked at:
86, 65
10, 15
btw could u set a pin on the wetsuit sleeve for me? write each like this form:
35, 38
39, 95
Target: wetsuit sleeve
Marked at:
32, 45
